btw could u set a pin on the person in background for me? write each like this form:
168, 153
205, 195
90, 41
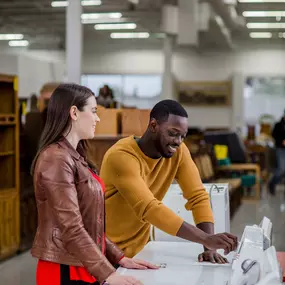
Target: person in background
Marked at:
278, 134
70, 241
106, 97
34, 103
138, 171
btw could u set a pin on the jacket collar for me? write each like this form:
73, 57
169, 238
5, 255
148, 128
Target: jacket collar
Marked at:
75, 153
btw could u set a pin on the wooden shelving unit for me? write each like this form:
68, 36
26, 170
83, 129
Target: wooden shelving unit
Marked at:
9, 167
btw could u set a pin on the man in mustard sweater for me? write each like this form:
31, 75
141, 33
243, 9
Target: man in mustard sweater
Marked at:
138, 172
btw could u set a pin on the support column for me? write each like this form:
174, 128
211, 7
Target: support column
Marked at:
167, 81
74, 41
188, 15
237, 114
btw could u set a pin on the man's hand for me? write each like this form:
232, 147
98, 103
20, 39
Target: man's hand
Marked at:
212, 256
225, 241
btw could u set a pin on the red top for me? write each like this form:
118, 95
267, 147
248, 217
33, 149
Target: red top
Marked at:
52, 270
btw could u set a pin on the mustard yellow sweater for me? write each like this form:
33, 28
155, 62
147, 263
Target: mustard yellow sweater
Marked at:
135, 186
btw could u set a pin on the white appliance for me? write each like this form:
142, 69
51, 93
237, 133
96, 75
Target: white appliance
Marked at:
254, 263
179, 266
219, 198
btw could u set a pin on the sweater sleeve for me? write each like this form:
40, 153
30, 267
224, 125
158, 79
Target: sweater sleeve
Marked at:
193, 190
124, 172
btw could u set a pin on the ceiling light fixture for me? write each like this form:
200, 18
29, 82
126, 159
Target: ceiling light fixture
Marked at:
103, 21
263, 13
22, 43
266, 25
141, 35
61, 4
93, 16
265, 35
261, 1
116, 26
5, 37
91, 2
57, 4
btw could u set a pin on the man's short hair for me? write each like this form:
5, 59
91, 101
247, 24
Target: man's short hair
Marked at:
164, 108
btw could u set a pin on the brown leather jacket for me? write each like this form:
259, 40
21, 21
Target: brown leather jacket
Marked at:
71, 213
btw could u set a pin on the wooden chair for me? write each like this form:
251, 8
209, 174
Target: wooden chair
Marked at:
245, 168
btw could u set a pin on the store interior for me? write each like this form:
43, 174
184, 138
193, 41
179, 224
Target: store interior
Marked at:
222, 60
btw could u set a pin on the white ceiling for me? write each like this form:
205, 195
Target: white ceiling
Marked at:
44, 26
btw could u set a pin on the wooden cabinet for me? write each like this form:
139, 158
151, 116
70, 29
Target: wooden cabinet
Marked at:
98, 146
9, 219
110, 122
134, 121
124, 122
9, 167
115, 124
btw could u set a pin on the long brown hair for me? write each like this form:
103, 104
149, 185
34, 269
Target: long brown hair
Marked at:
58, 119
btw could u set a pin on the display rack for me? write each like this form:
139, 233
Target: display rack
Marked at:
9, 167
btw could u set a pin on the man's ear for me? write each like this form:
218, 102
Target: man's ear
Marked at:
153, 125
73, 113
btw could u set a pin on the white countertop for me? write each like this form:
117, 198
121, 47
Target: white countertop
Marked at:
182, 266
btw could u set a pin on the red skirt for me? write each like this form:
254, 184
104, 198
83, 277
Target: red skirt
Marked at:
50, 273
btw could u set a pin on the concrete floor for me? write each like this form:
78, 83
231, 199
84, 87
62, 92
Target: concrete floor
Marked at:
253, 212
20, 270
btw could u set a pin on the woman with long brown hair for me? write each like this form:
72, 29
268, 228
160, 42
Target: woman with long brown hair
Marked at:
70, 242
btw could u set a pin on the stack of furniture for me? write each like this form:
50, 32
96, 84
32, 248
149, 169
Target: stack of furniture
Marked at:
246, 171
97, 148
203, 158
124, 122
134, 121
236, 163
9, 167
115, 124
110, 122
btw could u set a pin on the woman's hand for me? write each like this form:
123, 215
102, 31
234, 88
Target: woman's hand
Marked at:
136, 264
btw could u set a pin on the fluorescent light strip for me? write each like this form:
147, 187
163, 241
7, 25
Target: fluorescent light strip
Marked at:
103, 21
22, 43
56, 4
5, 37
257, 35
93, 16
91, 2
262, 1
266, 25
118, 26
61, 4
141, 35
263, 13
